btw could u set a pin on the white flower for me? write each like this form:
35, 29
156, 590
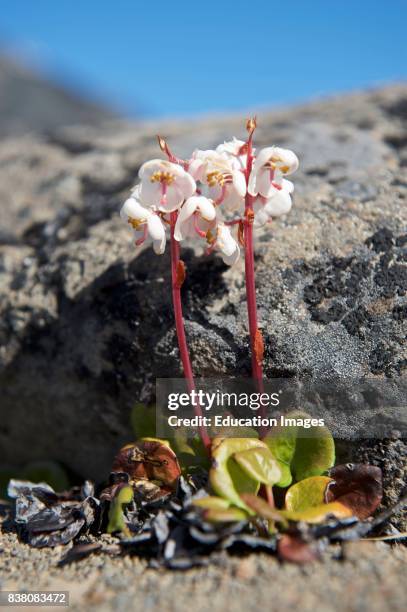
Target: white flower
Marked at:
195, 218
199, 217
222, 177
235, 148
269, 167
226, 244
232, 147
145, 222
278, 204
164, 185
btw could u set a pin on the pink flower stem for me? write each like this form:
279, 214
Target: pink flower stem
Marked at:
177, 277
255, 335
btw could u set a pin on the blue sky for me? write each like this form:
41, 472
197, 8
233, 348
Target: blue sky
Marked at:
180, 58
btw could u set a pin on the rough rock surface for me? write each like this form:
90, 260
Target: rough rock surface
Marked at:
31, 102
85, 320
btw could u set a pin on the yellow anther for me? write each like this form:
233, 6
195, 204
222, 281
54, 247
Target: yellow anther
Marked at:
214, 178
135, 223
218, 178
162, 177
210, 238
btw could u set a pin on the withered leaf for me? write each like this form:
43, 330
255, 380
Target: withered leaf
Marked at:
78, 552
249, 216
259, 347
357, 486
180, 273
149, 460
46, 518
240, 233
292, 548
55, 538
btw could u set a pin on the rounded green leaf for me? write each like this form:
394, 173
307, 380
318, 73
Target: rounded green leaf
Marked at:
318, 514
301, 451
259, 464
307, 493
226, 476
313, 455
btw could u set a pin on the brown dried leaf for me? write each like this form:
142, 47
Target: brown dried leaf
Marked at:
180, 274
294, 549
259, 347
240, 233
249, 216
150, 460
357, 486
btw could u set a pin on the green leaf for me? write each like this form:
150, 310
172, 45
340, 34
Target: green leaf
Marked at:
190, 453
307, 493
301, 452
259, 464
318, 514
314, 455
226, 476
116, 516
211, 503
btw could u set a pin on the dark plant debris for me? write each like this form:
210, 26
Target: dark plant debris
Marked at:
171, 532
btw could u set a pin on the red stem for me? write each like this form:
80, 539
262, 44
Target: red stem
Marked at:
179, 324
257, 367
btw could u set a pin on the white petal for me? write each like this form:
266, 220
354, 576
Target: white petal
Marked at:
263, 157
205, 207
156, 230
263, 183
232, 201
174, 198
227, 245
194, 204
149, 167
186, 184
288, 186
288, 158
232, 147
279, 204
134, 210
196, 168
150, 193
260, 215
252, 185
239, 183
159, 165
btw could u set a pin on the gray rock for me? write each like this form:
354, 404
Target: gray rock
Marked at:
31, 102
86, 324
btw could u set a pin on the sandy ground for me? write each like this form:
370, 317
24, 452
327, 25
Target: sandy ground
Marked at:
361, 576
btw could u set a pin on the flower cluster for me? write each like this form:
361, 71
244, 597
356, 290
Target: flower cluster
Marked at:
208, 193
